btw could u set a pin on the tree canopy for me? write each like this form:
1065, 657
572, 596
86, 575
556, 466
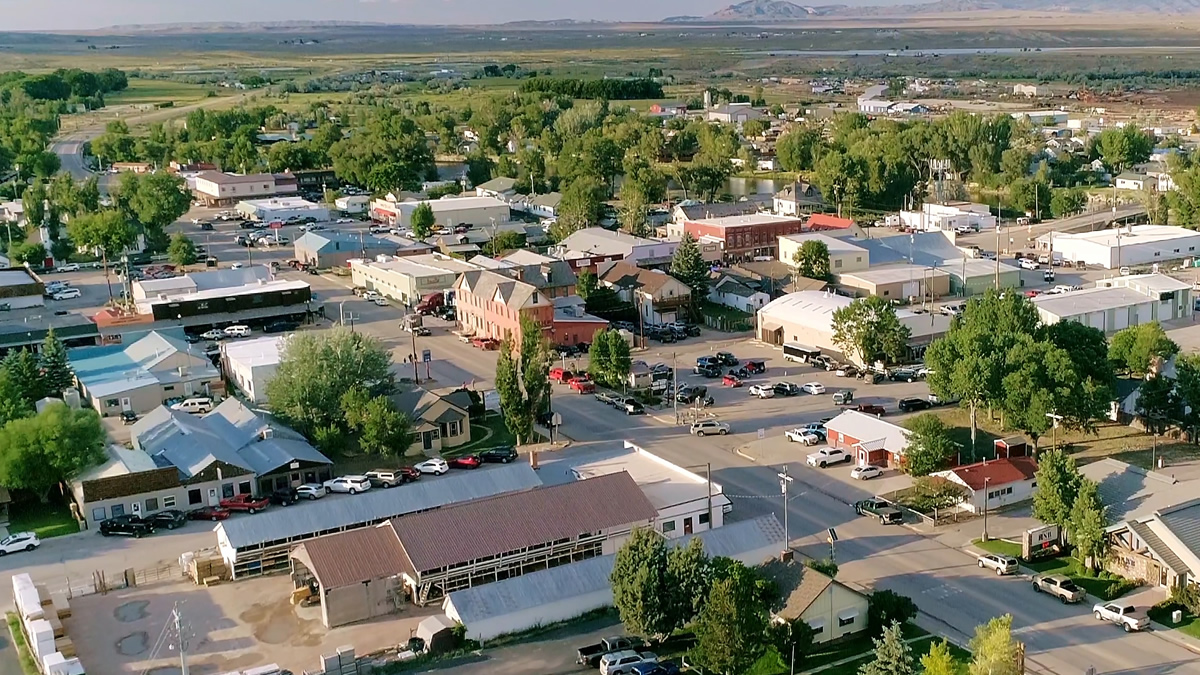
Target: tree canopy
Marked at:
869, 328
37, 453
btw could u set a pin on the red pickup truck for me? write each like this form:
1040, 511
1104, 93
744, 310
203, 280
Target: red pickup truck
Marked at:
244, 502
583, 385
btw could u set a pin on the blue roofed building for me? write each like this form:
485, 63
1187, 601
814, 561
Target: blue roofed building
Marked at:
333, 248
141, 375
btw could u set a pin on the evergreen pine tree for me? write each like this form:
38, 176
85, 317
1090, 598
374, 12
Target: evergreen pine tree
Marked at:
688, 266
57, 375
22, 367
892, 655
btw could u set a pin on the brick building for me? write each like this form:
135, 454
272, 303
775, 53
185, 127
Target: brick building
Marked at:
491, 304
746, 237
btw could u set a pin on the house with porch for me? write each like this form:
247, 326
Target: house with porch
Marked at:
440, 419
869, 439
658, 296
995, 483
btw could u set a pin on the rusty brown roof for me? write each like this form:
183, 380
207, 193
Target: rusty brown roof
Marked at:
495, 525
355, 556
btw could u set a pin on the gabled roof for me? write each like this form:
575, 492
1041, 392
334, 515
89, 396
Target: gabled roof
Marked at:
599, 241
718, 210
995, 473
334, 240
354, 557
109, 369
728, 284
631, 277
801, 192
496, 287
500, 184
869, 429
1183, 521
1158, 547
549, 200
431, 406
509, 522
799, 587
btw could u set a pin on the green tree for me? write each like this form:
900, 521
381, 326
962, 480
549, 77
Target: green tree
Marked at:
480, 167
799, 148
1158, 405
731, 628
422, 221
689, 267
687, 581
1014, 164
57, 375
812, 260
634, 213
1187, 389
316, 369
39, 452
929, 446
13, 405
182, 251
1088, 349
388, 153
108, 233
383, 430
795, 637
586, 283
939, 660
640, 585
994, 649
886, 607
26, 374
1067, 202
154, 201
1134, 349
1089, 520
1058, 484
582, 205
521, 380
1122, 147
29, 253
869, 328
600, 363
1040, 380
619, 357
505, 241
893, 656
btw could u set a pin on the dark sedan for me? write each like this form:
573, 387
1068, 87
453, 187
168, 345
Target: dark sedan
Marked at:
913, 404
498, 455
785, 389
168, 518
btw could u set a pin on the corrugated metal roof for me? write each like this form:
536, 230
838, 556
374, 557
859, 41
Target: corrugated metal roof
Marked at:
1159, 548
1184, 522
353, 557
744, 540
509, 522
376, 505
1131, 492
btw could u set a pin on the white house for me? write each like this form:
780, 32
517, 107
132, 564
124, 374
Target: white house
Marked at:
352, 203
949, 216
731, 292
1133, 181
250, 364
994, 483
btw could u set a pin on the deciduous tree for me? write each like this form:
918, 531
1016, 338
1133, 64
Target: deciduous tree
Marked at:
812, 260
1040, 380
422, 221
994, 649
107, 232
939, 660
1187, 389
1089, 520
885, 607
869, 328
640, 585
929, 447
1158, 405
37, 453
182, 251
154, 201
731, 628
1058, 484
383, 430
1134, 349
521, 380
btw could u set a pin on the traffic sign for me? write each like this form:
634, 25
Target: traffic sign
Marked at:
426, 355
275, 225
762, 433
832, 535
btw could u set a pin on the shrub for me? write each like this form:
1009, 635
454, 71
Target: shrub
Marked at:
827, 567
1188, 597
885, 606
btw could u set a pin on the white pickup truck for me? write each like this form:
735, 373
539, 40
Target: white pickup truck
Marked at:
827, 456
1125, 616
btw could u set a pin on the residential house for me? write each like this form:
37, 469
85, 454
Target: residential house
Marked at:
731, 291
543, 206
832, 609
492, 305
140, 376
995, 483
774, 277
658, 296
440, 419
869, 439
502, 188
335, 248
1134, 181
797, 198
250, 364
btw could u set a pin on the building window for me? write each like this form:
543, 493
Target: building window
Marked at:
152, 504
257, 300
818, 629
111, 403
98, 514
202, 305
244, 487
118, 510
169, 502
887, 293
704, 518
227, 490
846, 621
168, 387
668, 526
194, 497
837, 263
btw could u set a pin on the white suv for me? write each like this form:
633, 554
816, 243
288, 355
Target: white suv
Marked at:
709, 427
351, 484
19, 541
67, 294
762, 391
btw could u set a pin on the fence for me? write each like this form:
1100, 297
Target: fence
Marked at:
727, 324
103, 582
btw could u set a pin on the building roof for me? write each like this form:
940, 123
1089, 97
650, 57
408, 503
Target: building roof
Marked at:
869, 429
451, 204
377, 505
1088, 300
354, 557
279, 203
263, 351
891, 274
746, 541
631, 277
121, 461
811, 308
799, 586
16, 277
524, 256
599, 241
1148, 283
800, 192
1183, 520
835, 244
1131, 492
664, 483
822, 221
1129, 235
429, 265
1130, 175
432, 406
996, 472
110, 369
745, 220
731, 284
222, 178
498, 184
549, 200
496, 287
1158, 547
554, 274
329, 241
509, 522
694, 212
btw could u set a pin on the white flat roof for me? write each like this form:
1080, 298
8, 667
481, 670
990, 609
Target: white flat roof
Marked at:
891, 274
664, 484
281, 203
1129, 236
121, 461
747, 219
835, 244
263, 351
1088, 300
456, 203
15, 278
421, 265
244, 289
1155, 283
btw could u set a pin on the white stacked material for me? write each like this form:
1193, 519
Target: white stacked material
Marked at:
25, 595
57, 664
41, 638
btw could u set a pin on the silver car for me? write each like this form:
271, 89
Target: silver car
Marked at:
1002, 564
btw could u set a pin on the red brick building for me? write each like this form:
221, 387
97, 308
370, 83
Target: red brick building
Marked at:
748, 236
492, 304
868, 439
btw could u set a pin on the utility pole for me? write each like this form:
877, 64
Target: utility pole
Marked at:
177, 616
1055, 419
675, 387
986, 480
999, 218
784, 481
708, 477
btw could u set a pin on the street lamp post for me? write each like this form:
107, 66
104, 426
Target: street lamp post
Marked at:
1054, 420
986, 480
784, 481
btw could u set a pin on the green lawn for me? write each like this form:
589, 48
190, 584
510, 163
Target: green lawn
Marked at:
159, 91
489, 433
919, 648
1189, 626
28, 665
999, 547
52, 519
861, 645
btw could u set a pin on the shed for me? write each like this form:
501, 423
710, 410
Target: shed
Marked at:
1013, 446
352, 587
438, 633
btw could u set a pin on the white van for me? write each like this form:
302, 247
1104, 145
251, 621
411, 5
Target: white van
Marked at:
196, 406
237, 331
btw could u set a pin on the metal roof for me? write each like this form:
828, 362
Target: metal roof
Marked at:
511, 522
354, 557
376, 505
1131, 492
749, 541
1184, 522
1088, 300
1159, 548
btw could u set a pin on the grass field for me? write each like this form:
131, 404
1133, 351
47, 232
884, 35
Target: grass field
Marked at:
160, 91
999, 547
52, 519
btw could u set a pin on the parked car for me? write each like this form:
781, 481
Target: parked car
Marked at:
281, 326
128, 525
168, 518
805, 436
583, 385
903, 375
865, 472
660, 668
1060, 586
762, 391
284, 496
69, 267
237, 331
691, 393
67, 294
786, 389
755, 367
128, 417
1028, 264
869, 409
1125, 616
196, 405
709, 371
1001, 564
622, 663
499, 455
561, 375
350, 484
726, 359
846, 370
386, 478
465, 462
591, 654
435, 465
826, 456
881, 509
913, 404
213, 513
214, 334
813, 388
708, 427
244, 502
843, 397
311, 491
19, 541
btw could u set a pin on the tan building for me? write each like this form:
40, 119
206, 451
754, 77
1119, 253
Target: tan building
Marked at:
440, 420
832, 609
906, 283
657, 295
844, 256
217, 188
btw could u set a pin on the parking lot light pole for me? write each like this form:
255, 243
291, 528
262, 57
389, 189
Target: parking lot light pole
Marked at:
1055, 419
986, 480
784, 481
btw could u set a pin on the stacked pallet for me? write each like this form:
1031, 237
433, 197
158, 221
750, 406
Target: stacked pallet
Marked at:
62, 607
207, 571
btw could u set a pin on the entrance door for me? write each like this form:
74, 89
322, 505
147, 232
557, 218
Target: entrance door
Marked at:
213, 500
136, 508
126, 404
687, 525
427, 440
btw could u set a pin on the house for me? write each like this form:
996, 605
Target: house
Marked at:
440, 419
410, 278
658, 296
734, 113
844, 255
731, 291
12, 211
871, 441
669, 108
250, 364
797, 198
502, 188
543, 206
335, 248
832, 609
746, 237
993, 484
591, 246
492, 305
140, 376
352, 203
1134, 181
1120, 302
776, 278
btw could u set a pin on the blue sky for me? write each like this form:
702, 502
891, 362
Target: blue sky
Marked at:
85, 14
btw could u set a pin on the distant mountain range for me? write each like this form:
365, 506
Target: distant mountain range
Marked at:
782, 11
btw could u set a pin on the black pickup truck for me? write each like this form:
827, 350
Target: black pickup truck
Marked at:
592, 654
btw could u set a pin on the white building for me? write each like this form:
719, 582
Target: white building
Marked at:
1120, 302
12, 212
731, 292
1127, 246
409, 278
844, 256
1046, 118
281, 209
995, 483
1031, 90
352, 203
250, 364
449, 211
949, 216
216, 188
596, 242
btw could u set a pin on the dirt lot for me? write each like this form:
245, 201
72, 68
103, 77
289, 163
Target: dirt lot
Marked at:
232, 626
